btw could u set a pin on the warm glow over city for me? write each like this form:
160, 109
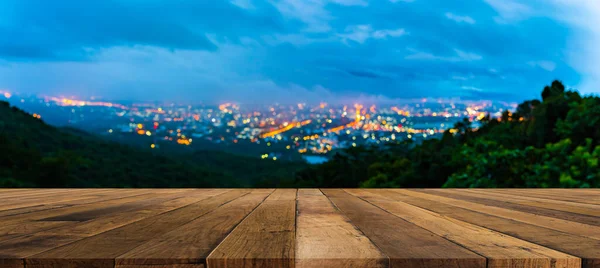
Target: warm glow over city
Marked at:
275, 130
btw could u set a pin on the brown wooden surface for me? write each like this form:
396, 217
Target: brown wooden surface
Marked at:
500, 250
264, 239
326, 238
405, 244
192, 228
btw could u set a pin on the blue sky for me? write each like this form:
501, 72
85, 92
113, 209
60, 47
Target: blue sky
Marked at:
298, 50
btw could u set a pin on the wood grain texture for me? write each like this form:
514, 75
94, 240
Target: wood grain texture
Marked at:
500, 250
80, 212
574, 203
69, 201
164, 266
585, 248
93, 221
572, 227
326, 238
264, 239
45, 199
191, 228
42, 205
192, 242
583, 213
560, 205
22, 194
101, 250
21, 246
406, 244
590, 196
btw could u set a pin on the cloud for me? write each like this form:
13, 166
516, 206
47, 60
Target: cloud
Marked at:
466, 56
140, 72
245, 4
583, 53
203, 50
150, 73
489, 95
473, 88
363, 3
382, 34
368, 74
546, 65
460, 19
510, 10
458, 57
312, 12
268, 92
295, 39
40, 35
362, 33
461, 78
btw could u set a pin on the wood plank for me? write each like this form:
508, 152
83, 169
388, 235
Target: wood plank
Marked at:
326, 238
406, 244
528, 197
34, 192
44, 200
151, 228
264, 239
500, 250
191, 243
55, 214
13, 231
585, 248
578, 197
12, 265
96, 219
567, 206
164, 266
102, 249
41, 196
138, 211
11, 190
557, 211
551, 190
70, 203
572, 227
67, 232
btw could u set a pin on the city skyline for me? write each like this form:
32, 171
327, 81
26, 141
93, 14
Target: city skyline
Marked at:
298, 51
270, 132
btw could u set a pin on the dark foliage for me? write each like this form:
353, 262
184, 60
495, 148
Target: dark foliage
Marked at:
554, 142
550, 143
34, 154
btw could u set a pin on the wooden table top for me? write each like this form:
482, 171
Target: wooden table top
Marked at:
185, 228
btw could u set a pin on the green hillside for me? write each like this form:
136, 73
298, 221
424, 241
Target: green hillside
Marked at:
34, 154
552, 142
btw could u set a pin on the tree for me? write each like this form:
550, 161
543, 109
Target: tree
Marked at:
555, 89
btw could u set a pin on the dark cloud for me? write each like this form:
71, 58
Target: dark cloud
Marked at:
46, 29
198, 47
488, 95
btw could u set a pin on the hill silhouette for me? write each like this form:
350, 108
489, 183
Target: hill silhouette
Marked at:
552, 142
35, 154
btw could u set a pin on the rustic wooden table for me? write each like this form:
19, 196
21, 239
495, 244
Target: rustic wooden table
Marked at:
187, 228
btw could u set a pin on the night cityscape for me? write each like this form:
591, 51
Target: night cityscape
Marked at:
300, 93
299, 133
270, 132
